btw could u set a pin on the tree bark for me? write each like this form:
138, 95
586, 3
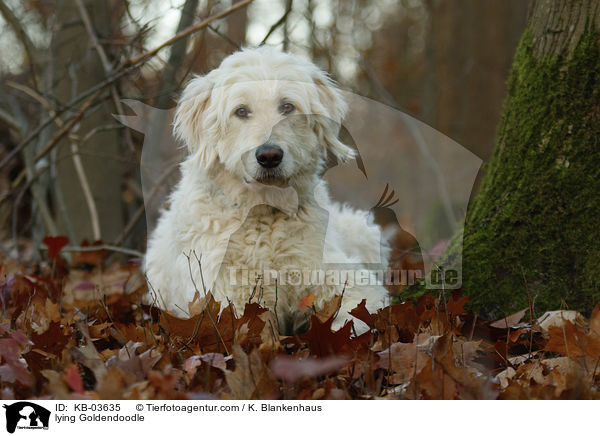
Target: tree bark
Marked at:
469, 50
78, 67
168, 81
533, 230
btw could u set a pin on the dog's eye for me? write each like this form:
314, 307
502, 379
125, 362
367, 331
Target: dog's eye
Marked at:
242, 112
287, 108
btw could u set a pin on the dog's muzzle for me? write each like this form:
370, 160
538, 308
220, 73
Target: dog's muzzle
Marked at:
269, 155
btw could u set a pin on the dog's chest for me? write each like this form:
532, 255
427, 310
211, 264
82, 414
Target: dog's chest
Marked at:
271, 239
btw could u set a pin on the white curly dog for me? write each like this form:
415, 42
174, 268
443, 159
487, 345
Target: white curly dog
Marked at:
251, 218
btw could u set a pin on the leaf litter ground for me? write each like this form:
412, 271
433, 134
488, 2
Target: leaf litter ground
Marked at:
84, 333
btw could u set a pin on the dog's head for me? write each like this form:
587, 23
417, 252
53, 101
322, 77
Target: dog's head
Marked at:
263, 115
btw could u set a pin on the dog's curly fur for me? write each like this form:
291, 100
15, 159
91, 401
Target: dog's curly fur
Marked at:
231, 213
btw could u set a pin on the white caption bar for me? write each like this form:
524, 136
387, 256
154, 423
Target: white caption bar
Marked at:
292, 417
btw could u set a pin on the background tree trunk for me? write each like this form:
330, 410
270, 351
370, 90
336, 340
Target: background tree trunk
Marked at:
534, 228
78, 67
469, 49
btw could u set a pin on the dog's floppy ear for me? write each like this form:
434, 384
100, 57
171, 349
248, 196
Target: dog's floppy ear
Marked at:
190, 124
329, 123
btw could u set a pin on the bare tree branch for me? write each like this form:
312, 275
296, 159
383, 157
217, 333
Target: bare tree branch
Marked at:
32, 93
188, 31
65, 129
87, 191
105, 64
38, 194
177, 54
87, 23
85, 94
279, 22
286, 29
225, 37
127, 67
70, 249
9, 120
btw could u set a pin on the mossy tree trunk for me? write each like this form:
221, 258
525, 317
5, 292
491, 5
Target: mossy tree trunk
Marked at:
534, 227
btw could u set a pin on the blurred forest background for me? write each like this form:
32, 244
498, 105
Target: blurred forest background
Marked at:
68, 167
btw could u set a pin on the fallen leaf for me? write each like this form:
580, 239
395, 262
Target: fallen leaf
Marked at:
251, 378
217, 360
55, 244
130, 362
89, 357
572, 342
306, 301
456, 304
557, 318
595, 321
329, 308
402, 359
52, 340
292, 370
505, 376
56, 385
15, 368
322, 341
360, 312
510, 320
73, 379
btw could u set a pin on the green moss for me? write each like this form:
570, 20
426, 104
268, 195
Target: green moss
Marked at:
536, 222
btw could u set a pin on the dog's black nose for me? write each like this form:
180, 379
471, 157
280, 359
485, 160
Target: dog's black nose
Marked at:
269, 156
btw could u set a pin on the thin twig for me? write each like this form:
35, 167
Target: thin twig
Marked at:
106, 65
39, 171
595, 368
30, 92
279, 22
177, 55
225, 37
415, 380
87, 191
38, 193
275, 307
530, 312
337, 311
90, 30
27, 307
473, 328
123, 338
206, 307
129, 251
65, 129
10, 121
98, 129
254, 391
444, 294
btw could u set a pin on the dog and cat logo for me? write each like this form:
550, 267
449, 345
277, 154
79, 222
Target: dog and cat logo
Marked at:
26, 415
